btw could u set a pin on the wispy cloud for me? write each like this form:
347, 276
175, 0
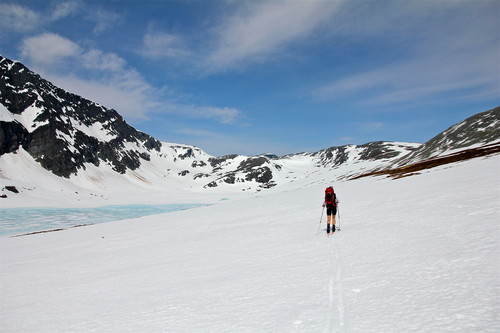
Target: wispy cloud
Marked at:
443, 59
18, 18
110, 81
99, 60
260, 30
64, 9
104, 19
21, 19
224, 115
104, 77
420, 78
250, 32
396, 85
100, 76
132, 99
160, 44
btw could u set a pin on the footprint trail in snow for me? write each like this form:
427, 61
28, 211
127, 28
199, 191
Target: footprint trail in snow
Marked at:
335, 316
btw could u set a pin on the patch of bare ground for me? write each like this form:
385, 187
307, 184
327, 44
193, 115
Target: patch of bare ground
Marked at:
413, 169
51, 230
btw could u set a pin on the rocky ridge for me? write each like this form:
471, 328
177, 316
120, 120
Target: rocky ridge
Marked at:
476, 131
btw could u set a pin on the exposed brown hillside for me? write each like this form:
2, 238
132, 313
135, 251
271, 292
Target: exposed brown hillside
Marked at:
414, 168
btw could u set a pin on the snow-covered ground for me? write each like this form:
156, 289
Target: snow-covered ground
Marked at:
417, 254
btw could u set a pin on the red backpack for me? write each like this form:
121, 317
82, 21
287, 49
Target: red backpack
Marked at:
330, 197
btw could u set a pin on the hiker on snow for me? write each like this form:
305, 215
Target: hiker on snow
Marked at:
330, 203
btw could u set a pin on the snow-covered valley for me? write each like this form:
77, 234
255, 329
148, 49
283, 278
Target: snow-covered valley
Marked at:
416, 254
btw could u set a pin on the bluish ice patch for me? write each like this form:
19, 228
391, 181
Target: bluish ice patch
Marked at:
15, 221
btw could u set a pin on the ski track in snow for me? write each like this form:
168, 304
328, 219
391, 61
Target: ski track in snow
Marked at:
339, 281
335, 314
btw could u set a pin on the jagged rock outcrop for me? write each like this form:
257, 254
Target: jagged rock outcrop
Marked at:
12, 136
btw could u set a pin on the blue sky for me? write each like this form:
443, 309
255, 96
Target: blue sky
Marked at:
274, 76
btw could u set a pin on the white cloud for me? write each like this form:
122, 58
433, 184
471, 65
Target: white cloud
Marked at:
48, 48
161, 44
64, 9
419, 78
97, 59
105, 78
262, 29
103, 19
225, 115
21, 19
256, 31
133, 103
99, 76
18, 18
436, 60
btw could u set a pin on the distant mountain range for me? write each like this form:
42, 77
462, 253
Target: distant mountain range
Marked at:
74, 138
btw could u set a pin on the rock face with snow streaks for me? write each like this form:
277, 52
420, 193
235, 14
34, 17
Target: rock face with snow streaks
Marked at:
476, 131
63, 131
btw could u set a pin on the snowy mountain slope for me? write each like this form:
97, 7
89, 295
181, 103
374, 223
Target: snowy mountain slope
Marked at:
476, 131
93, 148
94, 153
166, 177
477, 136
417, 254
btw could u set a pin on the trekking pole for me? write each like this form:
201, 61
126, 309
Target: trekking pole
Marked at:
338, 213
321, 218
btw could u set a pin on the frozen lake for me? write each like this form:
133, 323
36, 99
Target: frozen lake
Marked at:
16, 221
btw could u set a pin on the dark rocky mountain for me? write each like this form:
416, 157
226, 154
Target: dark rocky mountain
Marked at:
61, 133
67, 135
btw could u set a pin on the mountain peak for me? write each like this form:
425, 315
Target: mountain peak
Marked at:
63, 131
